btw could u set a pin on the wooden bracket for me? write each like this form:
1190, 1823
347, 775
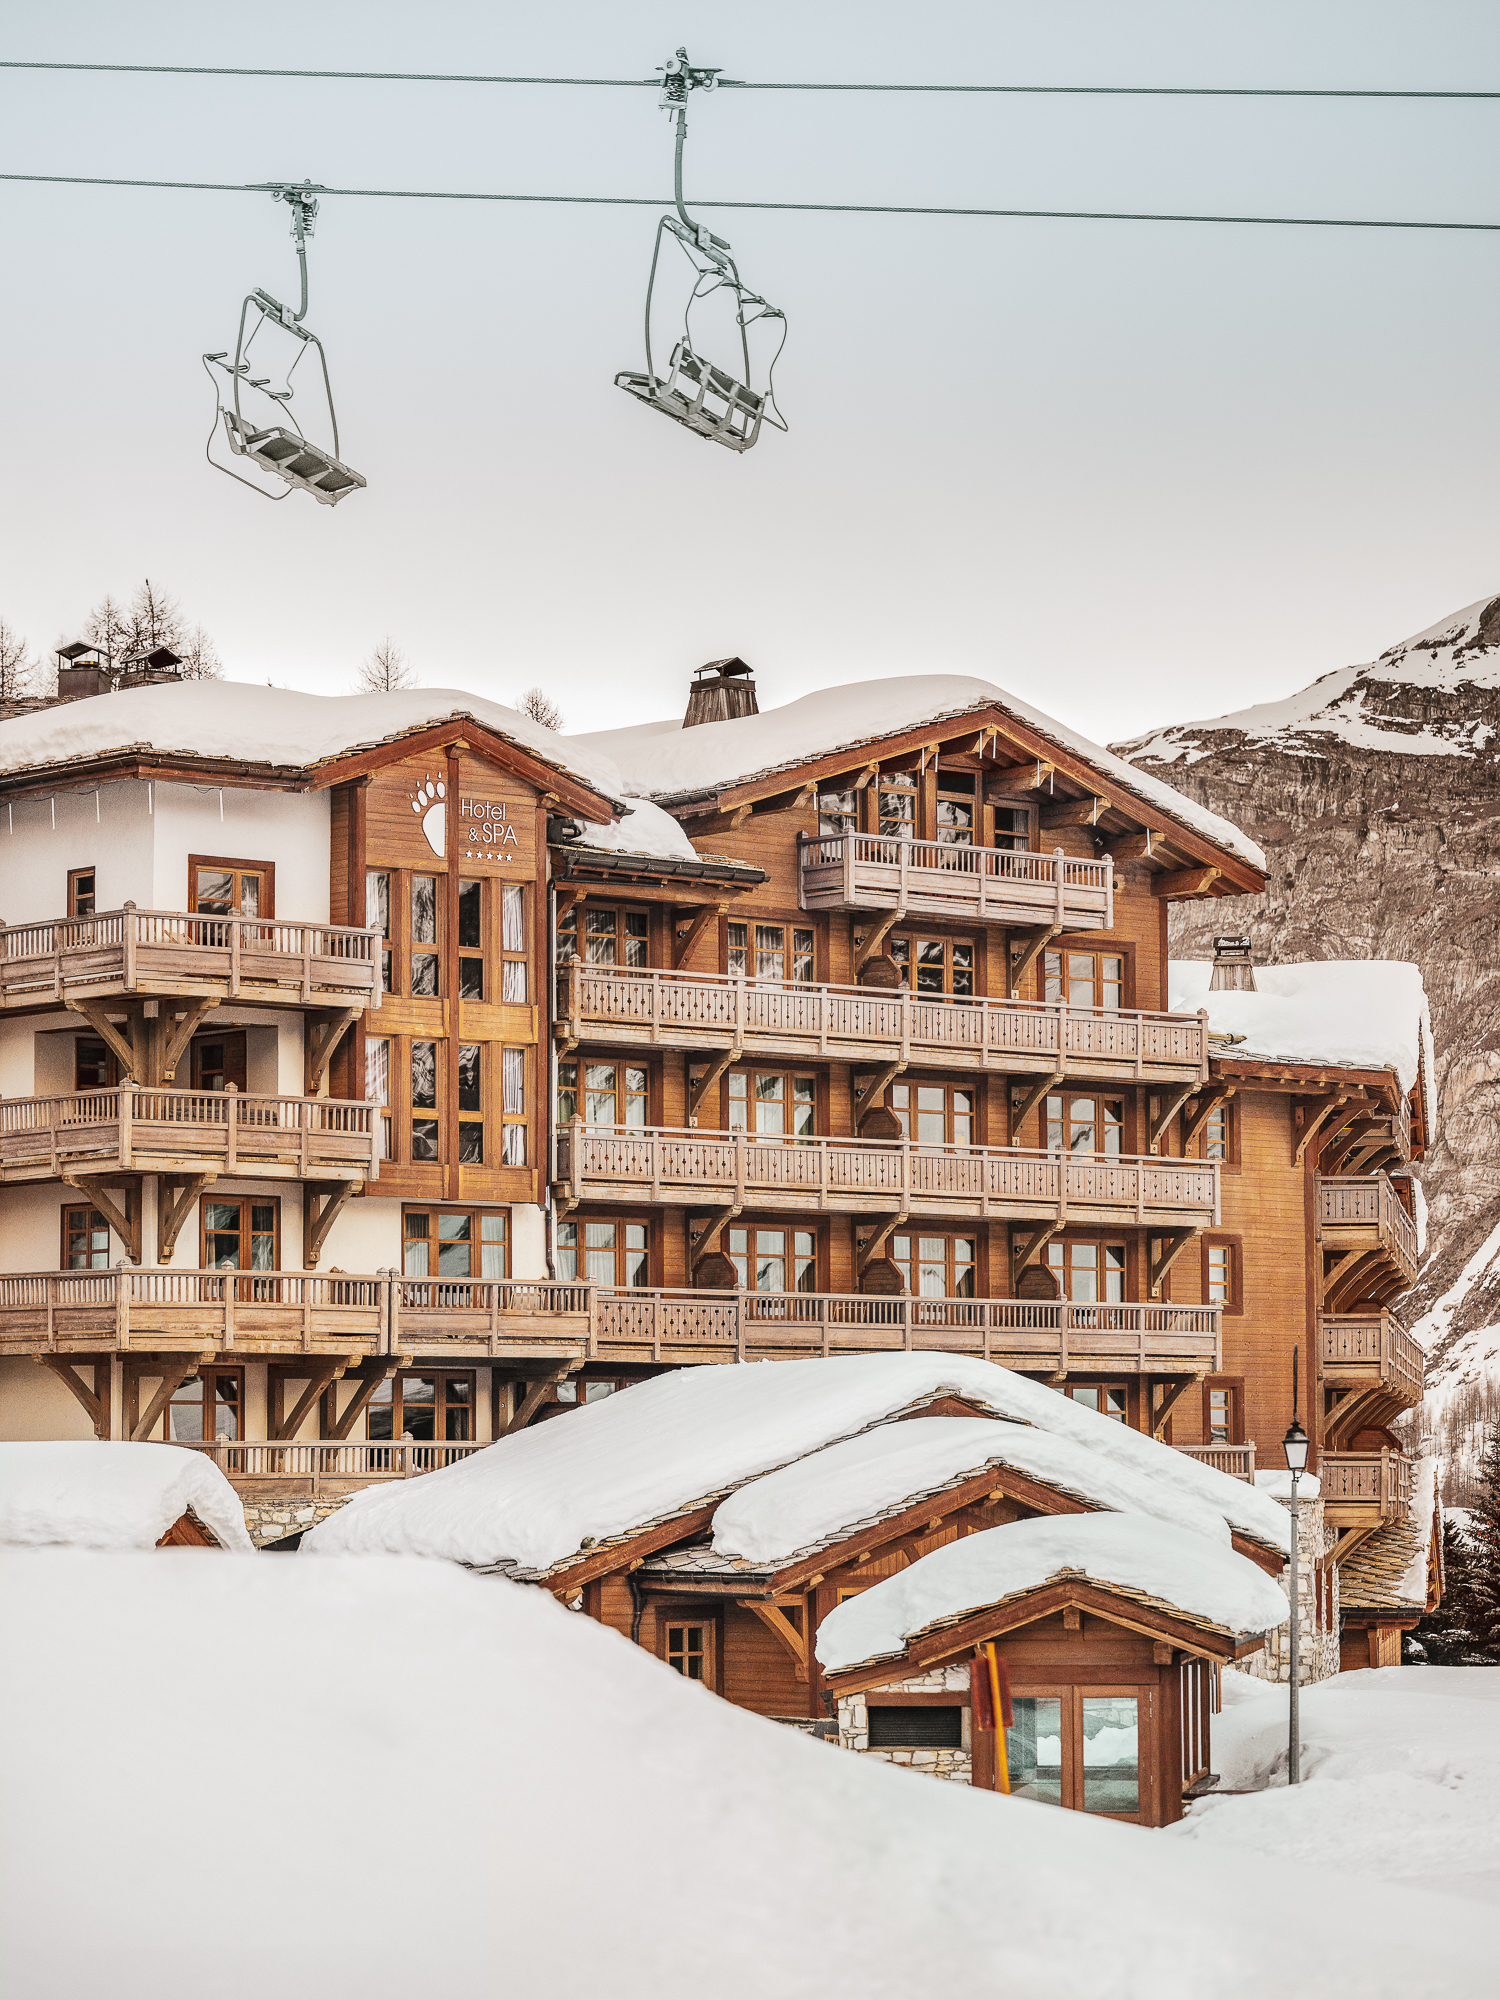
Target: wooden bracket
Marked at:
867, 776
1348, 1109
1208, 1102
1024, 955
866, 1251
95, 1401
1161, 1651
776, 1621
123, 1050
320, 1210
124, 1220
876, 1086
709, 1239
1073, 1620
361, 1399
682, 946
536, 1395
1022, 1254
169, 1219
1134, 846
177, 1037
175, 1373
323, 1373
1033, 1092
705, 1083
1172, 1246
1168, 1105
1185, 882
1075, 812
1164, 1410
876, 937
1340, 1269
324, 1033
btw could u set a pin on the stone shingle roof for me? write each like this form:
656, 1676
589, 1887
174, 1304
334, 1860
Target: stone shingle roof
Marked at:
1369, 1580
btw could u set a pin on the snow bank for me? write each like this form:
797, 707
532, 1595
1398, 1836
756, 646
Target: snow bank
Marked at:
1181, 1569
1400, 1781
687, 1439
1413, 1582
669, 762
585, 1823
274, 726
645, 829
832, 1493
112, 1496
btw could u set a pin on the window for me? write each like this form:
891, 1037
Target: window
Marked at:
1033, 1749
1086, 1124
424, 936
1084, 978
453, 1243
603, 1253
1221, 1274
1222, 1414
470, 1105
1111, 1754
81, 897
1219, 1134
470, 941
207, 1408
218, 1061
772, 1105
943, 1113
610, 937
764, 1259
378, 1090
378, 915
1089, 1273
936, 1267
513, 1107
613, 1093
780, 953
1012, 828
1110, 1400
85, 1240
687, 1650
230, 888
838, 812
939, 1727
512, 945
94, 1066
898, 804
941, 965
239, 1235
955, 809
593, 1392
425, 1408
424, 1087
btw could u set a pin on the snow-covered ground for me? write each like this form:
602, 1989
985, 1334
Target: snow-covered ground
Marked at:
1400, 1779
381, 1776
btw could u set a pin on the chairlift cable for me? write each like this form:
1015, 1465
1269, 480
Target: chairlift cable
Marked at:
782, 207
742, 83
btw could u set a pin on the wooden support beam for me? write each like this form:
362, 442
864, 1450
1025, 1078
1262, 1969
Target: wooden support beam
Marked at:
1209, 1101
324, 1033
95, 1406
322, 1373
1028, 777
170, 1215
124, 1220
1175, 1392
1023, 955
868, 1248
536, 1395
176, 1038
785, 1632
1161, 1652
876, 1086
1168, 1104
1185, 882
682, 946
867, 776
1020, 1110
705, 1083
122, 1049
1075, 812
321, 1208
360, 1400
1172, 1246
876, 937
1309, 1126
1022, 1253
175, 1373
709, 1239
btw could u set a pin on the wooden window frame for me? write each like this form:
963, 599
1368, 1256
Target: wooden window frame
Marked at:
790, 928
692, 1614
230, 1037
637, 1218
1100, 1094
1230, 1164
1007, 802
387, 946
1234, 1386
617, 1062
1100, 1240
136, 1371
911, 939
111, 1063
1147, 1722
951, 1234
792, 1226
386, 1111
793, 1074
442, 1374
1061, 950
75, 881
84, 1208
1100, 1388
578, 915
272, 1201
475, 1211
1223, 1239
413, 947
948, 1085
237, 866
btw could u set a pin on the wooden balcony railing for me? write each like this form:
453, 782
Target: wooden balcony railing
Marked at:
313, 1465
513, 1317
1360, 1211
864, 871
174, 951
184, 1131
1238, 1460
271, 1312
1374, 1483
660, 1009
1356, 1349
869, 1177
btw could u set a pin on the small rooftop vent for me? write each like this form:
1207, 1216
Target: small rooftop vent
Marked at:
160, 660
721, 691
1234, 971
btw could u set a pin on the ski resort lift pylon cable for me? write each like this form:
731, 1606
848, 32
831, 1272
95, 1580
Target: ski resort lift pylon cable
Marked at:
695, 392
289, 455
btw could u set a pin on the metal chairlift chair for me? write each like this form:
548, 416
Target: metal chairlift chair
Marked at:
288, 454
696, 392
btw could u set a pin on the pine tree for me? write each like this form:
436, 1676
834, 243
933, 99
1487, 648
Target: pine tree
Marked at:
1484, 1555
1445, 1634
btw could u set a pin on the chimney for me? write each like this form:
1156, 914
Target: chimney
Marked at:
88, 670
721, 691
1233, 971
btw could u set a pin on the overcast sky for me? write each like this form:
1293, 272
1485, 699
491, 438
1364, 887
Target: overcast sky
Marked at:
1134, 472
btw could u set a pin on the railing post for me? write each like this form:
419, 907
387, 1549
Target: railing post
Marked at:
125, 1111
1057, 882
231, 1125
127, 938
234, 956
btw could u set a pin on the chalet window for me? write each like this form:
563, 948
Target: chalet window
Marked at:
378, 914
936, 1267
780, 953
1220, 1138
610, 937
1221, 1273
838, 812
773, 1105
764, 1259
1013, 828
584, 1392
688, 1650
218, 1061
81, 897
934, 1114
1110, 1400
512, 945
1084, 978
424, 1088
427, 1409
1111, 1754
94, 1066
1089, 1273
1223, 1423
378, 1090
454, 1243
231, 888
240, 1235
85, 1240
898, 804
470, 940
603, 1253
939, 1727
1034, 1749
424, 936
513, 1107
613, 1093
936, 965
207, 1408
1085, 1124
955, 808
470, 1105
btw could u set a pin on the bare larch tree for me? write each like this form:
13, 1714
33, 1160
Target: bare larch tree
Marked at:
16, 664
386, 671
540, 706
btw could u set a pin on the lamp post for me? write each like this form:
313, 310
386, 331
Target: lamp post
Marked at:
1294, 1444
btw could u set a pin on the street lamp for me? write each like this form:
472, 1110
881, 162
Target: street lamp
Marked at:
1294, 1444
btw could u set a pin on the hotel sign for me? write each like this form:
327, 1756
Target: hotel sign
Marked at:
486, 823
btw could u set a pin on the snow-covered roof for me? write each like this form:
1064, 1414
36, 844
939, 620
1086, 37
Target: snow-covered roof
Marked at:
277, 726
1347, 1013
670, 762
1461, 651
645, 830
833, 1493
682, 1441
91, 1495
1170, 1566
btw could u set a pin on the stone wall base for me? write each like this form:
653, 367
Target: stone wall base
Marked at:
270, 1520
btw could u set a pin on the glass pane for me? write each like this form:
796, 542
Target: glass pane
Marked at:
739, 949
419, 1408
471, 979
512, 920
377, 1072
424, 974
1052, 975
471, 1143
215, 893
1114, 1272
470, 896
1111, 982
424, 1075
227, 1408
513, 982
1111, 1758
378, 902
185, 1413
513, 1145
567, 1252
513, 1082
379, 1412
250, 895
637, 938
424, 1138
424, 909
1033, 1750
469, 1098
802, 956
601, 937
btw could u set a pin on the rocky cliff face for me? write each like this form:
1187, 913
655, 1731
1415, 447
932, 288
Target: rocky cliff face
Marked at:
1376, 795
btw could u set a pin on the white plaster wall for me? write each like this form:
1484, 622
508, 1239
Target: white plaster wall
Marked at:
366, 1236
111, 830
18, 1057
31, 1226
287, 828
35, 1407
528, 1241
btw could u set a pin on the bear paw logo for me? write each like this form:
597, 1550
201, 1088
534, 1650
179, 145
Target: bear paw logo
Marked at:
427, 800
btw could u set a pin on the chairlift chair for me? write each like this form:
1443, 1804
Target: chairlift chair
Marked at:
696, 392
289, 455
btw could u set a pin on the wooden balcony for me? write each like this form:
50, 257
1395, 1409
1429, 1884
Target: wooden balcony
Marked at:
314, 1469
132, 1129
1369, 1236
1238, 1460
706, 1169
511, 1319
164, 1311
864, 871
855, 1024
1364, 1489
1371, 1351
175, 952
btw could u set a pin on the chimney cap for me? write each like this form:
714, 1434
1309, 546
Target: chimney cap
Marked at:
1237, 946
157, 661
80, 649
722, 669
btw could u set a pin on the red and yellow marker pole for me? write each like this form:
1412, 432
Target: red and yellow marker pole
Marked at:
993, 1707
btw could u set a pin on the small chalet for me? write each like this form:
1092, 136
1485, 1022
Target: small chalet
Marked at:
87, 1494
